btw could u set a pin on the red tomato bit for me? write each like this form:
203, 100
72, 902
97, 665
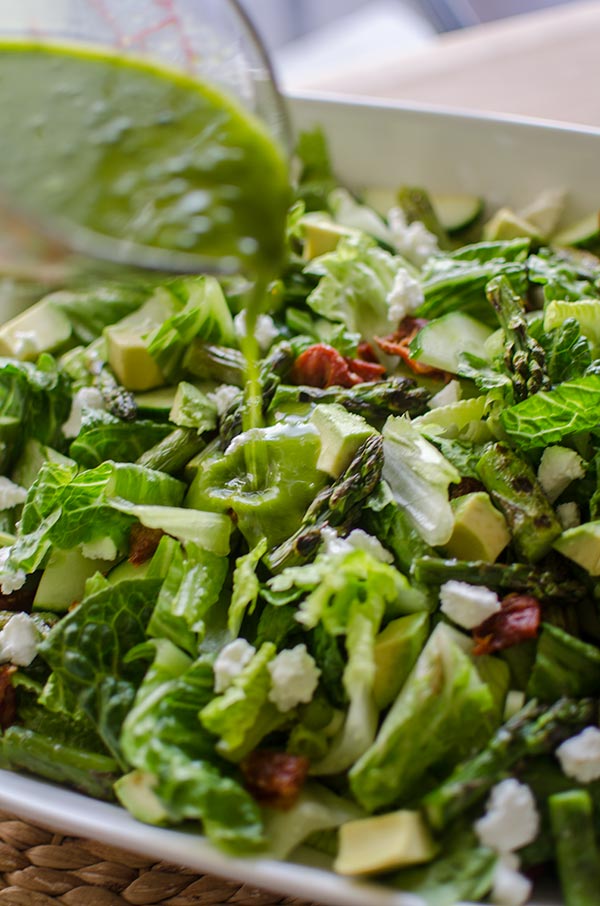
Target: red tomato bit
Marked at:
323, 366
518, 620
275, 779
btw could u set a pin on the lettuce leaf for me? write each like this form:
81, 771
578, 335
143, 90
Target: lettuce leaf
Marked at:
192, 585
205, 315
162, 736
35, 401
243, 715
103, 436
549, 416
568, 353
356, 280
65, 508
458, 280
419, 476
245, 587
87, 651
316, 809
442, 713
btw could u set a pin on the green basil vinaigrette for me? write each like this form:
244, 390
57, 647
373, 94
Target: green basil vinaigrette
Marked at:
136, 152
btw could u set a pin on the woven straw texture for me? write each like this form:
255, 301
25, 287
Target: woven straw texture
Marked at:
40, 868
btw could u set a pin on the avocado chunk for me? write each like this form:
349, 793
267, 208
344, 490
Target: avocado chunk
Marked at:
372, 845
41, 328
341, 433
322, 236
480, 530
127, 344
135, 792
582, 545
63, 580
397, 648
506, 224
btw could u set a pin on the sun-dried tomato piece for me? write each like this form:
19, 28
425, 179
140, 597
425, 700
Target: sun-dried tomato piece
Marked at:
22, 599
367, 371
366, 353
398, 343
275, 779
8, 697
323, 366
518, 620
143, 542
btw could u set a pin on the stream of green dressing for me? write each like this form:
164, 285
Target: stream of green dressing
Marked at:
136, 152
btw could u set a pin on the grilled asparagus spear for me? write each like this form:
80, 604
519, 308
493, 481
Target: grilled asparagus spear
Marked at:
338, 505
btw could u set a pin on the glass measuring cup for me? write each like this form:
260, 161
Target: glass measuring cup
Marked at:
210, 42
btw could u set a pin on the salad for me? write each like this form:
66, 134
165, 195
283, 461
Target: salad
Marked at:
386, 642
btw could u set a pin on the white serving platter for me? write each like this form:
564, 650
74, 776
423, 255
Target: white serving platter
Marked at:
507, 161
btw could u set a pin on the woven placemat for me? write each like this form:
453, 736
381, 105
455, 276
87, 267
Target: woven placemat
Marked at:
39, 867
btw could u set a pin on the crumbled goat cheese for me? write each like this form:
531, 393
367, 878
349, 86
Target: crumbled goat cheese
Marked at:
468, 605
568, 515
294, 678
511, 820
579, 756
404, 297
413, 240
230, 662
86, 398
357, 540
101, 549
449, 394
18, 640
264, 333
10, 580
510, 887
558, 467
11, 494
223, 397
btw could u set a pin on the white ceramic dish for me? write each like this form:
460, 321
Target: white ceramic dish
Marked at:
506, 161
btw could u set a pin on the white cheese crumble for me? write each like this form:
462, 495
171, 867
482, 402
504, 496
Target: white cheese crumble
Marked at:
265, 332
11, 494
558, 467
10, 580
468, 605
223, 397
404, 297
413, 240
511, 820
101, 549
357, 540
449, 394
230, 662
86, 398
18, 640
579, 756
510, 887
294, 677
568, 515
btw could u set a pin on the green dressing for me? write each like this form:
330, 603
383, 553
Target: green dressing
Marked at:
151, 156
140, 153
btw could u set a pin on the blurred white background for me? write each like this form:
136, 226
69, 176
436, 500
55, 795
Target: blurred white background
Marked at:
313, 38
